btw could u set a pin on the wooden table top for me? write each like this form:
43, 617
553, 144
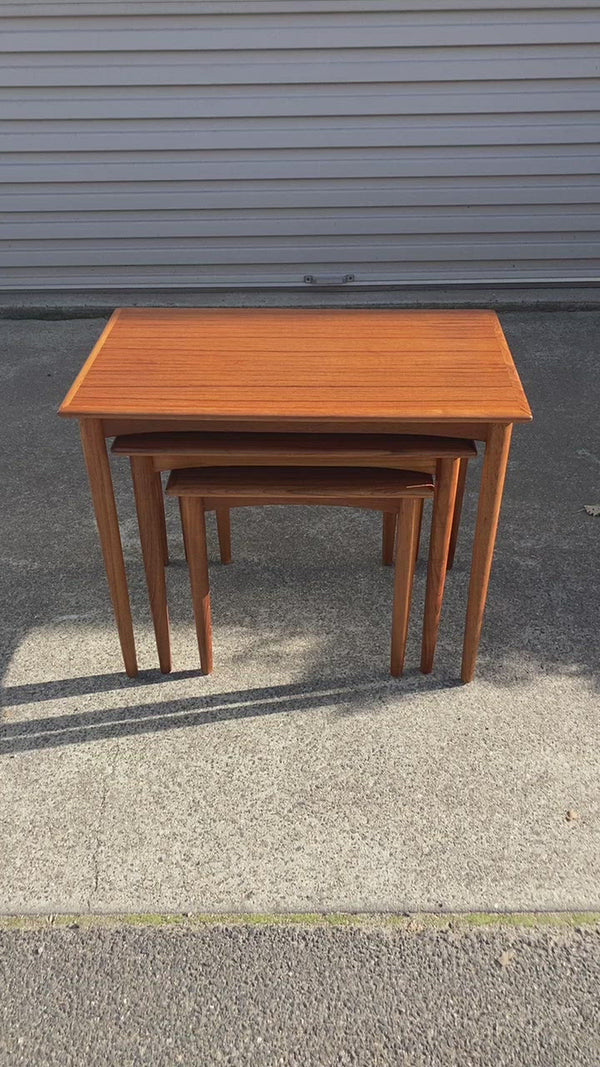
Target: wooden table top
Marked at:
342, 364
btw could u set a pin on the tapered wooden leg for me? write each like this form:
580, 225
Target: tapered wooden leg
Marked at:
194, 526
103, 496
185, 548
388, 539
420, 506
224, 532
441, 527
490, 500
160, 516
150, 512
458, 503
403, 581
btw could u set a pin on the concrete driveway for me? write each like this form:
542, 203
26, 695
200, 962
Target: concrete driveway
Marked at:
299, 777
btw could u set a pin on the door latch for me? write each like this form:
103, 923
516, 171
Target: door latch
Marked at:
328, 279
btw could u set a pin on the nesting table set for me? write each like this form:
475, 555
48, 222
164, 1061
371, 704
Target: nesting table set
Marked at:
370, 408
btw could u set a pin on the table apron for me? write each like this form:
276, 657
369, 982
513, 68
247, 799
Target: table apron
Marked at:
478, 431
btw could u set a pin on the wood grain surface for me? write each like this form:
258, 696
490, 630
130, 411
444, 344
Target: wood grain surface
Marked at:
216, 449
331, 483
286, 363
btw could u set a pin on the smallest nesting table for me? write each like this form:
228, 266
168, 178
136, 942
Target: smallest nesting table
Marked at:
445, 373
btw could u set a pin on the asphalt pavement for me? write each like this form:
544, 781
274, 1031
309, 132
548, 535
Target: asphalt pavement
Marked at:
300, 996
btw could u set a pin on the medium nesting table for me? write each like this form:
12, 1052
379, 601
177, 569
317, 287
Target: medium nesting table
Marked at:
445, 373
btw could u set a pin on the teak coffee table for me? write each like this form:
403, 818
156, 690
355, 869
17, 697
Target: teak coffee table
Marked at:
448, 373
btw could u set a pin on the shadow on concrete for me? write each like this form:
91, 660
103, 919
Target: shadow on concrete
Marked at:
37, 692
312, 577
77, 728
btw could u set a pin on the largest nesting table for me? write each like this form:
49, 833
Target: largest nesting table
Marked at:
446, 373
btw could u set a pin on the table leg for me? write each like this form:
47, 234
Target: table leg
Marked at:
408, 520
388, 540
185, 547
160, 516
150, 511
458, 504
420, 509
224, 532
441, 527
103, 497
194, 527
490, 500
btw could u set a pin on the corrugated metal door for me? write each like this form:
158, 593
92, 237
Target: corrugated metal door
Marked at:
253, 142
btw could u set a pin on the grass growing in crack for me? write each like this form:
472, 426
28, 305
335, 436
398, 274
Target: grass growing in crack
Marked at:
417, 922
